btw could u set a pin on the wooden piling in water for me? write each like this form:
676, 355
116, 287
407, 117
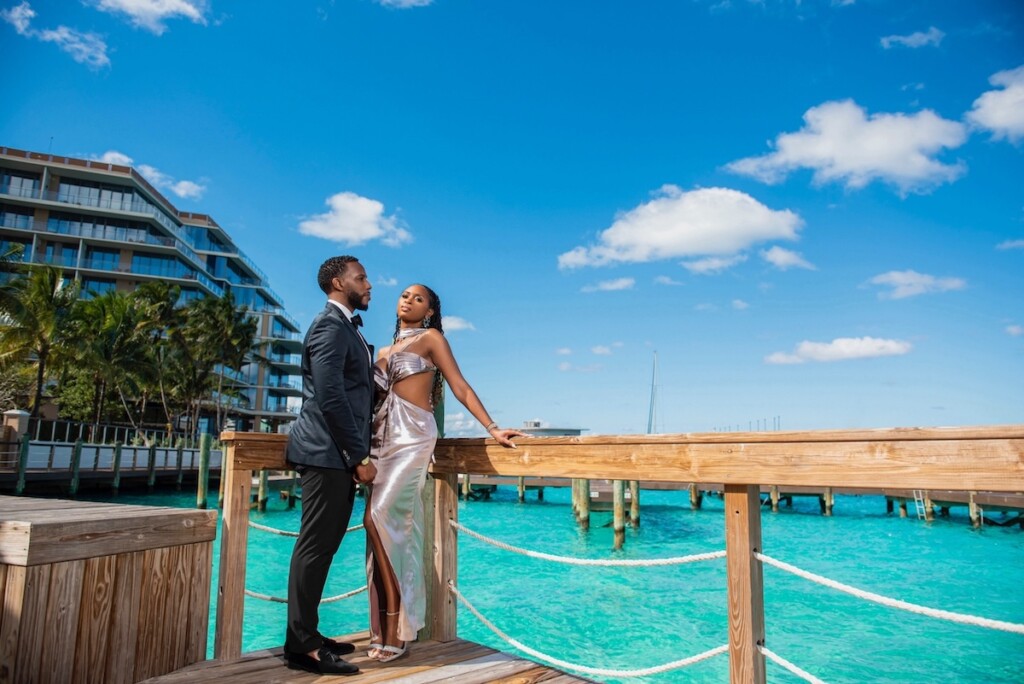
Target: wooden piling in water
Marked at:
619, 512
929, 513
76, 463
634, 503
973, 511
115, 484
204, 471
151, 468
522, 489
262, 492
774, 494
584, 515
826, 500
903, 508
696, 496
467, 487
26, 439
181, 457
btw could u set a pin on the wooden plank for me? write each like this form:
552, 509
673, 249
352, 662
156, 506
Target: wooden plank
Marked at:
234, 536
94, 618
255, 450
152, 628
895, 460
444, 569
60, 634
51, 536
33, 626
16, 578
127, 595
199, 602
745, 584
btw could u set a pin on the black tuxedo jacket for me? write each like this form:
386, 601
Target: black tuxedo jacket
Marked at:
334, 425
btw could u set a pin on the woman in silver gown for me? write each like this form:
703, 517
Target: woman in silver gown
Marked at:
409, 377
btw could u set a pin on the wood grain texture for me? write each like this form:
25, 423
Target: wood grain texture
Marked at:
94, 618
127, 596
234, 538
745, 584
64, 597
15, 579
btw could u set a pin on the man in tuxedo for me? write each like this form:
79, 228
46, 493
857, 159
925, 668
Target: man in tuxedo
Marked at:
329, 446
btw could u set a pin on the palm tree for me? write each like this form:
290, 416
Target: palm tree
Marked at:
222, 335
111, 344
34, 320
160, 320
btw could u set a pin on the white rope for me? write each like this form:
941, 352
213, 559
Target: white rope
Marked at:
332, 599
582, 668
806, 676
288, 533
590, 561
895, 603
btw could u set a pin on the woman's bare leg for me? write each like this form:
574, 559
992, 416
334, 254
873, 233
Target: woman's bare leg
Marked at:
386, 586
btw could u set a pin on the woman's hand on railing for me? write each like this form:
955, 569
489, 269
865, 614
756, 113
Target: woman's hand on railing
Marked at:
504, 437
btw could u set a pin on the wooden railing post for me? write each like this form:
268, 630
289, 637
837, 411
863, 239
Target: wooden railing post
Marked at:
745, 584
26, 441
234, 537
441, 558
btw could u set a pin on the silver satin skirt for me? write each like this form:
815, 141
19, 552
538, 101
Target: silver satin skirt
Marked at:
404, 440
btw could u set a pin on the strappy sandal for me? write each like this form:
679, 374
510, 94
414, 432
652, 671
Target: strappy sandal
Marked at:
395, 652
373, 650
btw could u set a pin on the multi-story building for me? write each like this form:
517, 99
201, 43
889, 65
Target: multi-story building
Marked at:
109, 228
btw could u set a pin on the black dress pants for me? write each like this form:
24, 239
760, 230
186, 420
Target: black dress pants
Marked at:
327, 497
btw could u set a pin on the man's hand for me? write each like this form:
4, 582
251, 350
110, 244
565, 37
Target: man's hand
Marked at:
364, 474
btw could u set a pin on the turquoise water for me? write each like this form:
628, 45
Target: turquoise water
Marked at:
629, 618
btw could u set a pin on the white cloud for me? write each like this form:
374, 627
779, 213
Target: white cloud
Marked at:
678, 223
841, 349
666, 280
784, 259
932, 36
84, 48
115, 157
185, 189
740, 305
1011, 244
840, 143
151, 14
1015, 330
601, 350
563, 351
353, 219
911, 283
453, 323
1002, 111
404, 4
712, 265
460, 424
705, 307
389, 282
565, 366
611, 285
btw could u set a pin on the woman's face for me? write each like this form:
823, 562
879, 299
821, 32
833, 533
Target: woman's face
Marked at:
414, 304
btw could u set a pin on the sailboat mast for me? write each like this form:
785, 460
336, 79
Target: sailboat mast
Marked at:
652, 411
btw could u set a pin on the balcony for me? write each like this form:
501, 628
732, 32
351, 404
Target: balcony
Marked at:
18, 221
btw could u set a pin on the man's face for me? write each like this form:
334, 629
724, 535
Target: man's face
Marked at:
354, 287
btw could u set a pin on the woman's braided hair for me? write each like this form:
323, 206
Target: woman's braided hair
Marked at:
432, 321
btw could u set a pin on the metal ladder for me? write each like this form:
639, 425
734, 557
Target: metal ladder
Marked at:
919, 503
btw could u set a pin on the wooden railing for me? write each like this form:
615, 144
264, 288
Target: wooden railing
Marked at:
989, 458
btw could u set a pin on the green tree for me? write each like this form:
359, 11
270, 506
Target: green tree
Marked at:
34, 327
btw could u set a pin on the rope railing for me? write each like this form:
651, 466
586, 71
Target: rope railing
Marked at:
654, 562
332, 599
774, 657
641, 672
289, 533
961, 618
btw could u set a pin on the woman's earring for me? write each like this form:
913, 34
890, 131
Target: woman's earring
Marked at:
426, 322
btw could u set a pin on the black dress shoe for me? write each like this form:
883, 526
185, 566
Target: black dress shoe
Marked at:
339, 648
329, 664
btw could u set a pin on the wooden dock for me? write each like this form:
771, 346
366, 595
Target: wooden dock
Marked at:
453, 662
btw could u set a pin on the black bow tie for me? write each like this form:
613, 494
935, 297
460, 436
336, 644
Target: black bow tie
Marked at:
357, 320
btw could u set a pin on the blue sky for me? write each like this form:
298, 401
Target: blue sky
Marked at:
813, 212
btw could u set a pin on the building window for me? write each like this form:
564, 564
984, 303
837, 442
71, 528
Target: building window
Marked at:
103, 259
19, 183
92, 287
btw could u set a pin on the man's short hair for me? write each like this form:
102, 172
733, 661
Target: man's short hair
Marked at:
333, 268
